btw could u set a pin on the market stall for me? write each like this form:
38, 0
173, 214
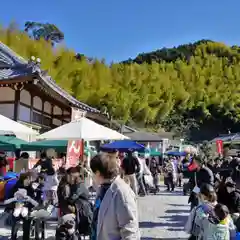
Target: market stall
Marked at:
10, 126
83, 129
123, 146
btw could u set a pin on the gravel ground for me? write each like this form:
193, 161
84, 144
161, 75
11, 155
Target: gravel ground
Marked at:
161, 216
5, 233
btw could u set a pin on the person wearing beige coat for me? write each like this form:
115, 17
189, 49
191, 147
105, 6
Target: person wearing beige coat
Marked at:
118, 214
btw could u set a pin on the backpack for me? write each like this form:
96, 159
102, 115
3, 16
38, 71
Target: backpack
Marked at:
207, 209
84, 216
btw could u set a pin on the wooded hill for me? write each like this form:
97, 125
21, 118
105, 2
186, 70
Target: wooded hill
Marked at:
192, 89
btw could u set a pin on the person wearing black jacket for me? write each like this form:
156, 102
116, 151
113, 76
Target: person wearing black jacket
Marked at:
45, 163
203, 175
79, 201
222, 194
70, 189
217, 166
235, 166
25, 183
227, 167
131, 166
179, 173
38, 187
233, 202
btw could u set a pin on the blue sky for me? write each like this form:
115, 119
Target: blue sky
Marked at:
119, 29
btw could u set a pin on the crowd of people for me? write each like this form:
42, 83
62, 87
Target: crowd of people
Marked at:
113, 214
214, 197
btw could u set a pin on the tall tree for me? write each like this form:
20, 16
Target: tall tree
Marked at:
189, 89
47, 31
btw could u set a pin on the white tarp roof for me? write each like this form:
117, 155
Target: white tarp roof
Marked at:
82, 128
8, 125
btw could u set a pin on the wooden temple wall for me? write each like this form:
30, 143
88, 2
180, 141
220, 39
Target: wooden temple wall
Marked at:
32, 109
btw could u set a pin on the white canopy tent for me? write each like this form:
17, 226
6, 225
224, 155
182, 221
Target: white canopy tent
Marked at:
82, 128
8, 126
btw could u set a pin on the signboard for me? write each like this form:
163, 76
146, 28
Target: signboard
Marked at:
75, 147
219, 144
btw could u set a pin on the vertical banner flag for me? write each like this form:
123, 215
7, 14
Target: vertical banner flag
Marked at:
75, 147
219, 144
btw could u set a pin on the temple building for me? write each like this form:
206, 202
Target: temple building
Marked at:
30, 96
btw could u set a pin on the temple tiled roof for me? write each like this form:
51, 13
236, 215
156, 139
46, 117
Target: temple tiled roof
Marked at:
8, 73
13, 66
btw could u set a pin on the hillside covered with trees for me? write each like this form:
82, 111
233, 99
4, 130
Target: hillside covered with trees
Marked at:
192, 89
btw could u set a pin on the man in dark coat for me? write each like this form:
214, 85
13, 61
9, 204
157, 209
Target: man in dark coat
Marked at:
130, 167
227, 167
203, 175
233, 198
45, 163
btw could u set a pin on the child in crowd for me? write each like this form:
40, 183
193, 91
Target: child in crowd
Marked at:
219, 225
207, 202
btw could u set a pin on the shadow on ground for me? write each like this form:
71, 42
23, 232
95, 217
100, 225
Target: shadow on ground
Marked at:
175, 222
178, 211
166, 193
151, 238
177, 205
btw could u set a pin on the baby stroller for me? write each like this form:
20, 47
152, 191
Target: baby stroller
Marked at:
67, 228
32, 222
20, 214
39, 216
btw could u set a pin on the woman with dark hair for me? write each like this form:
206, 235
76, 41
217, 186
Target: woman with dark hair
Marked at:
44, 162
3, 162
115, 213
51, 180
207, 202
24, 182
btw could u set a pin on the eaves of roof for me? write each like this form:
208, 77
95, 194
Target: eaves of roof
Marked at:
13, 66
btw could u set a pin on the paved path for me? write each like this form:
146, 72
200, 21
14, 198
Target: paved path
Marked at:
161, 216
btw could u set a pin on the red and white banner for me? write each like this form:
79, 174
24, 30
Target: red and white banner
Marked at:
219, 144
75, 148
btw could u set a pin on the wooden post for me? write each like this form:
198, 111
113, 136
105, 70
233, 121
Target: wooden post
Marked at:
31, 109
16, 105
